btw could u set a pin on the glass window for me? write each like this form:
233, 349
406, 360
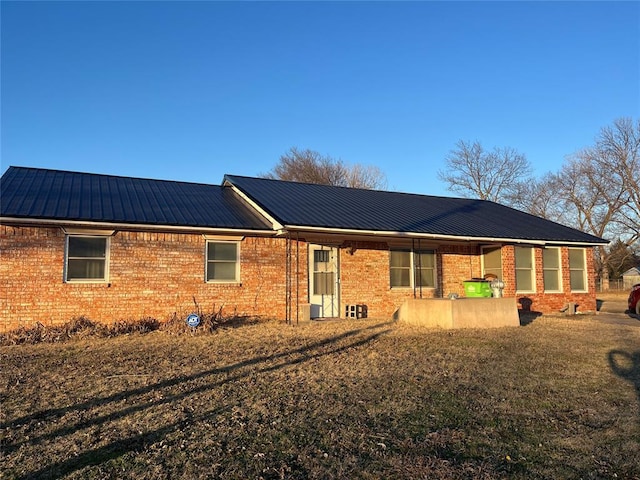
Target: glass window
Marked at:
407, 269
425, 266
324, 278
551, 269
222, 262
577, 269
400, 268
492, 261
321, 256
524, 269
86, 258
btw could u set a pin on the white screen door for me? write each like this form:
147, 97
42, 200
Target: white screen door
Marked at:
323, 281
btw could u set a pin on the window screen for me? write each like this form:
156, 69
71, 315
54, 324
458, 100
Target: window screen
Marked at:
524, 269
424, 264
324, 278
577, 269
492, 261
222, 262
407, 269
551, 267
86, 258
400, 268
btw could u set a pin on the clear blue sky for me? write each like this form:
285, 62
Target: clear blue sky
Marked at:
193, 90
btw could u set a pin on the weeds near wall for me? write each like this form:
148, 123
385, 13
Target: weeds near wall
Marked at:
83, 327
80, 327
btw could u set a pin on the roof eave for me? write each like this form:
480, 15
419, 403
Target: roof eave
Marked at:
44, 222
430, 236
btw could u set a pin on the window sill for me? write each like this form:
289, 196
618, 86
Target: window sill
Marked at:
412, 288
85, 282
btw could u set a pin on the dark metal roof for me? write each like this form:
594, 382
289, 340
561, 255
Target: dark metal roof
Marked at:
70, 196
42, 194
310, 205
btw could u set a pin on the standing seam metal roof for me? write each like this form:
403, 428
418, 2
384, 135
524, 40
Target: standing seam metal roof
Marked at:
312, 205
72, 196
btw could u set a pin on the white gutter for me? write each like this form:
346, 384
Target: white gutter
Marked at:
279, 230
432, 236
131, 226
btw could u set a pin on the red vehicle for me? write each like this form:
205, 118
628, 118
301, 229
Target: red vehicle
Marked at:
634, 299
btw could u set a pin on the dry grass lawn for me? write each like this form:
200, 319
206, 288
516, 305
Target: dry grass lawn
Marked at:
559, 398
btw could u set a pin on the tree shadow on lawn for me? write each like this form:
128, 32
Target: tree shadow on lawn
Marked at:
122, 446
627, 366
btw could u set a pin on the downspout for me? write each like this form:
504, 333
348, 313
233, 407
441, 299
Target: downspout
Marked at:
297, 278
413, 265
420, 267
288, 279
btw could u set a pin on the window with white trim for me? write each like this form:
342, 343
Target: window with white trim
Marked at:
551, 269
223, 262
492, 261
577, 269
86, 258
524, 269
412, 269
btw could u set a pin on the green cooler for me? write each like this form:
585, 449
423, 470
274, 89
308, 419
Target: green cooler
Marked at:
477, 287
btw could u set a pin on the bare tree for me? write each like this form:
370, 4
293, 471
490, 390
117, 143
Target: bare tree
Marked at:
540, 197
365, 176
596, 190
489, 175
616, 155
621, 258
600, 183
310, 166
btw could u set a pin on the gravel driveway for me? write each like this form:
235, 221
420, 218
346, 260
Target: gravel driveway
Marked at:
614, 310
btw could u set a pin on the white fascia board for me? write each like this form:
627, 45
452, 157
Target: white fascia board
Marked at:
577, 244
43, 222
431, 236
274, 223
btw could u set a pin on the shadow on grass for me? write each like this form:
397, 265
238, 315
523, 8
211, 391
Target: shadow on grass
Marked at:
527, 318
626, 365
526, 315
139, 441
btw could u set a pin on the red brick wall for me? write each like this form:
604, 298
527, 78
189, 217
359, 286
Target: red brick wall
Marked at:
459, 263
365, 279
157, 274
151, 274
365, 276
543, 302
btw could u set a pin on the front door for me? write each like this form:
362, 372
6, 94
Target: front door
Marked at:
323, 281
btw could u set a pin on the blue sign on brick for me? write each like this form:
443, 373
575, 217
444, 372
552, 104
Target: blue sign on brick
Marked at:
193, 320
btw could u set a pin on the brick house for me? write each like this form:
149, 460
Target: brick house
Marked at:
114, 248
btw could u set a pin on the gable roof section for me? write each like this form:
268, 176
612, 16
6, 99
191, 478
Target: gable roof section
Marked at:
59, 196
300, 206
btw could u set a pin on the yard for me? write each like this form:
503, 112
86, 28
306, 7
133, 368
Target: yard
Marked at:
558, 398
